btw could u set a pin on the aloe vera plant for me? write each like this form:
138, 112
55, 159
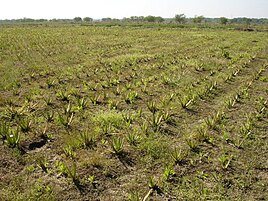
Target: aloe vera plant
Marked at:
168, 172
72, 173
81, 104
156, 122
131, 97
185, 101
152, 107
4, 130
25, 124
117, 145
69, 151
177, 156
63, 95
13, 138
87, 139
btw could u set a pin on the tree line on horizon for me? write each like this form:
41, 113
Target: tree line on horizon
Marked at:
178, 18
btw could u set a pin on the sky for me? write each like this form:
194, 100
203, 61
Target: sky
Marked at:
97, 9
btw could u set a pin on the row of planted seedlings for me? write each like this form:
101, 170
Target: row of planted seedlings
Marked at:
201, 134
246, 127
65, 42
67, 116
133, 75
155, 125
83, 71
213, 84
18, 118
20, 123
116, 144
110, 123
156, 122
159, 118
166, 79
45, 42
216, 121
128, 100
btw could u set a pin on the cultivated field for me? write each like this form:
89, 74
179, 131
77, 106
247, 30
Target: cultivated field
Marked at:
125, 113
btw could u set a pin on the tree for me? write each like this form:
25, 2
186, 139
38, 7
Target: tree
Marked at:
107, 19
223, 20
248, 21
198, 19
78, 19
159, 19
87, 19
180, 18
149, 18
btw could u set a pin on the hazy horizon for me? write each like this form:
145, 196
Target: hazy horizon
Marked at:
68, 9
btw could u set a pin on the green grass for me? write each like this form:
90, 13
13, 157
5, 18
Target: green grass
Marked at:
95, 112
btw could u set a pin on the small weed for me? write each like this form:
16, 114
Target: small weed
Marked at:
212, 86
68, 110
152, 183
202, 134
225, 160
50, 83
226, 136
228, 78
43, 164
134, 196
230, 103
210, 122
128, 86
128, 118
261, 105
93, 86
225, 54
139, 113
167, 117
117, 91
107, 128
246, 128
145, 128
